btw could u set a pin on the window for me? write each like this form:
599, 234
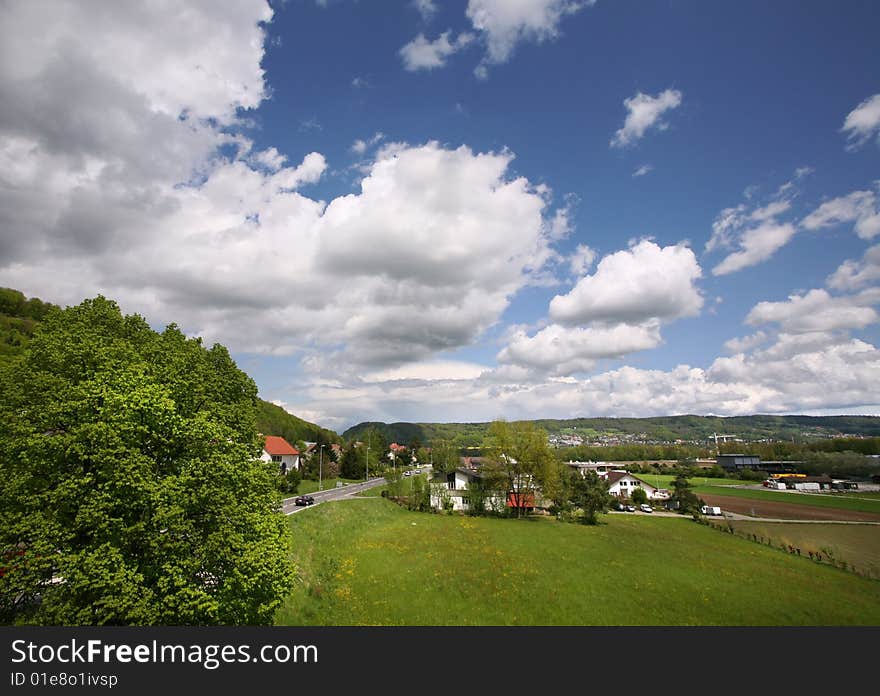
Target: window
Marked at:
276, 458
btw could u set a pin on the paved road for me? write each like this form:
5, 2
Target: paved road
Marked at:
289, 507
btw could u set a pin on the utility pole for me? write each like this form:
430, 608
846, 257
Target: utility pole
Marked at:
367, 462
321, 469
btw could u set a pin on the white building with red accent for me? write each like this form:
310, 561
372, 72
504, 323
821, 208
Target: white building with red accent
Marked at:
280, 451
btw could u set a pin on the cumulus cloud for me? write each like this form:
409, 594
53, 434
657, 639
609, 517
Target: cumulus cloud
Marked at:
616, 311
863, 123
147, 192
634, 285
645, 112
745, 343
504, 24
581, 260
859, 207
424, 54
817, 375
817, 310
851, 275
566, 350
644, 169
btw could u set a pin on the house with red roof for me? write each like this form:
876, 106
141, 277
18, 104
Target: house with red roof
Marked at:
278, 450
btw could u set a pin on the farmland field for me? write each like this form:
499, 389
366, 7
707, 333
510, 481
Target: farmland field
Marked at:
792, 507
370, 562
857, 545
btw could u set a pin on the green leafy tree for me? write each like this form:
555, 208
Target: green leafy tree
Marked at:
353, 461
131, 490
683, 494
590, 494
291, 480
394, 478
519, 462
444, 456
638, 496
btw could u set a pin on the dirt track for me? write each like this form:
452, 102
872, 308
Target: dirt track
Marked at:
787, 511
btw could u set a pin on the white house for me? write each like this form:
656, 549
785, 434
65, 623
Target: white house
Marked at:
280, 451
622, 484
455, 489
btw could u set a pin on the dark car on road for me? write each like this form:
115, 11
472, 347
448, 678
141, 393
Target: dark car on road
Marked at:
304, 500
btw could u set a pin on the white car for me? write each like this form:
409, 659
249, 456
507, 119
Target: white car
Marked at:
644, 507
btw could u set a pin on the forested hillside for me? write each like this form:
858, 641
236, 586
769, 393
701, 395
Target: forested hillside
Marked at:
20, 316
665, 429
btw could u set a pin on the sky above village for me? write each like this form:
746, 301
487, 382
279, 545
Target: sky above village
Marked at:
458, 211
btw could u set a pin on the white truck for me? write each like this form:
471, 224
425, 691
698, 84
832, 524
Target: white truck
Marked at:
710, 510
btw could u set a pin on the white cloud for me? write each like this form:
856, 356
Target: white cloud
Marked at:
852, 275
644, 112
634, 285
815, 375
103, 191
581, 260
360, 82
429, 370
754, 232
863, 123
360, 147
504, 24
756, 245
270, 158
859, 207
423, 54
644, 169
566, 350
181, 58
746, 343
818, 311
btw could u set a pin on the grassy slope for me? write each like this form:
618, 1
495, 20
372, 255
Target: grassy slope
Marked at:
370, 562
857, 544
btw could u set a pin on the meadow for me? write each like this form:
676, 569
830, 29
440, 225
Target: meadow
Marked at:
856, 545
370, 562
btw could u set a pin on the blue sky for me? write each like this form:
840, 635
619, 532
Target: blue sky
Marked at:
464, 210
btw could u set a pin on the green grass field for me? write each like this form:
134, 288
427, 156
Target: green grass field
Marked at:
855, 544
370, 562
309, 486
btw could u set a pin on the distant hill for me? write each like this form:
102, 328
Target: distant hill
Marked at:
274, 420
20, 316
659, 429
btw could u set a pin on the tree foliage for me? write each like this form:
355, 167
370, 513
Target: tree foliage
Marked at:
131, 493
520, 462
684, 496
590, 493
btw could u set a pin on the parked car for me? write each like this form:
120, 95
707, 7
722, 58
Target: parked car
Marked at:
407, 473
304, 500
644, 507
630, 508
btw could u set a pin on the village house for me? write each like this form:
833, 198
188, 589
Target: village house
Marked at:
622, 484
278, 450
456, 489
